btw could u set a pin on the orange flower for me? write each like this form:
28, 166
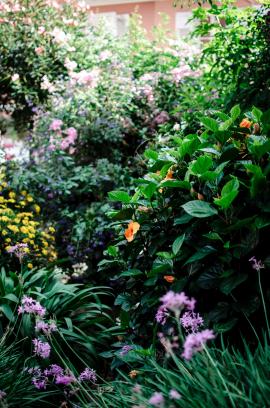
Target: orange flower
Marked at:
245, 123
132, 229
169, 175
169, 278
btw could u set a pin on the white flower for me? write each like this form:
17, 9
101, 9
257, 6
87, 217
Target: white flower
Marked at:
15, 77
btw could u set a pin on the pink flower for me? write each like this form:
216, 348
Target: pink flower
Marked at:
157, 399
195, 342
104, 55
29, 305
191, 321
174, 395
39, 50
72, 134
65, 379
56, 125
41, 30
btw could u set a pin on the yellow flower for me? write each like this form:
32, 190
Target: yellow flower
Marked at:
11, 194
25, 221
37, 208
25, 240
51, 229
4, 232
24, 230
30, 266
23, 203
8, 240
31, 236
4, 218
13, 228
4, 184
45, 252
2, 200
29, 199
24, 193
8, 248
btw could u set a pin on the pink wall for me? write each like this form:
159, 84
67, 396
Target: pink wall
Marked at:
150, 11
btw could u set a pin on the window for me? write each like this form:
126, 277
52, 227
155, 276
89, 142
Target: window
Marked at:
116, 24
182, 26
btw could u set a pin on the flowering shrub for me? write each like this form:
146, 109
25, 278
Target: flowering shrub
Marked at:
201, 212
22, 232
35, 40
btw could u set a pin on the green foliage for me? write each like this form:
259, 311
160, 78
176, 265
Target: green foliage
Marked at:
224, 377
203, 213
78, 311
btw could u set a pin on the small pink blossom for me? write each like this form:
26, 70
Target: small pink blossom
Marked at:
41, 349
195, 342
157, 399
56, 125
39, 50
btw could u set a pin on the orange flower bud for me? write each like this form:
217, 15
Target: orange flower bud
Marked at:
245, 123
169, 278
200, 196
133, 373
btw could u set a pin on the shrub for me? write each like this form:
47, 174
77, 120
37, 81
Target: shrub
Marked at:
194, 222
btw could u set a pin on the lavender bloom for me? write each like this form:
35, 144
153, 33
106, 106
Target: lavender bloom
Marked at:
173, 394
195, 342
29, 305
40, 382
177, 301
41, 349
88, 375
157, 399
54, 370
64, 379
161, 315
257, 265
19, 250
2, 394
191, 321
46, 328
125, 350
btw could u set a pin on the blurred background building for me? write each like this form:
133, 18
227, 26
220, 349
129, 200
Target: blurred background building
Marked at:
116, 13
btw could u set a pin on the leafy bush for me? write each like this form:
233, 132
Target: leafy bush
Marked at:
194, 222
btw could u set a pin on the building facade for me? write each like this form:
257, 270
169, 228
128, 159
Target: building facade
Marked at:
116, 13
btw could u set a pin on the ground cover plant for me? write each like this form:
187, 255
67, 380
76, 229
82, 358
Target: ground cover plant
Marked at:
134, 270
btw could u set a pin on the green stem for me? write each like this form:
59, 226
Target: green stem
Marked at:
220, 376
263, 302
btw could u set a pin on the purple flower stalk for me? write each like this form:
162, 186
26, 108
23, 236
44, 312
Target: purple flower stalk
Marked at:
157, 399
41, 349
65, 379
29, 305
54, 370
195, 342
257, 265
125, 350
40, 382
191, 321
174, 302
161, 315
88, 375
46, 328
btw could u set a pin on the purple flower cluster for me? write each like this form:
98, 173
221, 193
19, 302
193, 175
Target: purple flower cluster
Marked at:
157, 399
46, 328
88, 375
125, 350
19, 250
29, 305
174, 302
41, 349
195, 342
59, 376
191, 321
